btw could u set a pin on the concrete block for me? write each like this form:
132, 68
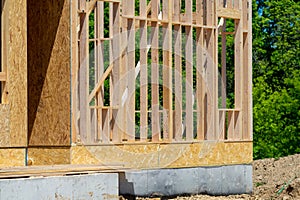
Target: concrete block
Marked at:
221, 180
92, 186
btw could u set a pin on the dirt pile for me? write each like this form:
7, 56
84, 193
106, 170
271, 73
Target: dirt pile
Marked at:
277, 178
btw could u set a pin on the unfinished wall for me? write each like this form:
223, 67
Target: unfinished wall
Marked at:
13, 120
48, 72
180, 155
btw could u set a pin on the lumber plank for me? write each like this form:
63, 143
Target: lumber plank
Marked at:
155, 72
198, 16
230, 131
177, 9
16, 89
170, 66
247, 72
238, 74
74, 70
222, 125
99, 29
105, 125
4, 50
229, 13
178, 82
55, 170
200, 93
189, 72
143, 73
131, 71
83, 78
123, 71
167, 71
115, 76
178, 72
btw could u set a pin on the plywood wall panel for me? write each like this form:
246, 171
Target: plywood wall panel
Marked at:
49, 72
17, 72
48, 156
150, 156
12, 157
4, 126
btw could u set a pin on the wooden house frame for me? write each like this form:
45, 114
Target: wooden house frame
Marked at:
170, 53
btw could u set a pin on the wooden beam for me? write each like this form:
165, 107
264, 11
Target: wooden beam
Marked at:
143, 73
189, 72
247, 71
2, 76
178, 130
83, 78
74, 70
200, 89
200, 93
92, 4
238, 74
131, 71
55, 170
229, 13
155, 72
148, 9
17, 71
5, 35
167, 71
115, 76
123, 70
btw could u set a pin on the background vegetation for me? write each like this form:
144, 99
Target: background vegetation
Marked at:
276, 78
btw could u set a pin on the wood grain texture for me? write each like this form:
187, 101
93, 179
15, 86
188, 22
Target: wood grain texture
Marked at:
149, 156
12, 157
74, 70
56, 170
238, 75
4, 47
155, 123
4, 126
48, 156
48, 72
17, 72
2, 76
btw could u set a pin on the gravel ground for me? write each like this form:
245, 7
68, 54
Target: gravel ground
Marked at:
272, 179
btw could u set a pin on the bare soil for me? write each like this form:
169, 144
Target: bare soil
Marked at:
272, 179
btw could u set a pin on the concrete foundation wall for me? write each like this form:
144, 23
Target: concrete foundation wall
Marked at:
222, 180
234, 179
93, 186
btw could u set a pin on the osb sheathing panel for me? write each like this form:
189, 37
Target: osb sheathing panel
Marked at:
49, 72
165, 155
80, 155
4, 126
17, 72
12, 157
48, 156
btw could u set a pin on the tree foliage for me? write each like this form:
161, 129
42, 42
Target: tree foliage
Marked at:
276, 78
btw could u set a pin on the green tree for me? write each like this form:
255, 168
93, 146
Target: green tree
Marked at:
276, 78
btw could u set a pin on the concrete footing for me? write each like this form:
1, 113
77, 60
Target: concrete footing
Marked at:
222, 180
91, 186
